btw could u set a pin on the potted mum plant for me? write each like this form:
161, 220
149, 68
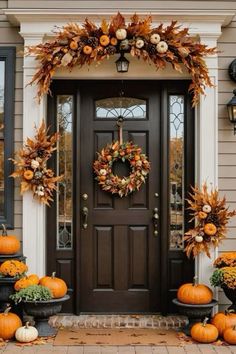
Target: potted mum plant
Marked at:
224, 276
38, 301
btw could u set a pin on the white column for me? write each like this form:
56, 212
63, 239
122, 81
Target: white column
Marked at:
33, 211
207, 148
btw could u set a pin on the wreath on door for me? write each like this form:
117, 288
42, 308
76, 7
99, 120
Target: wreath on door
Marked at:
124, 151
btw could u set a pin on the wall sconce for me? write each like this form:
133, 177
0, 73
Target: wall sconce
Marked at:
232, 70
122, 64
231, 107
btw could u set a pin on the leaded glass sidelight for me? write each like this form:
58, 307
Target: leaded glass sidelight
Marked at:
2, 100
176, 170
127, 107
64, 167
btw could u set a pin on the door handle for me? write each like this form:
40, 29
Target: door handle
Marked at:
155, 221
85, 218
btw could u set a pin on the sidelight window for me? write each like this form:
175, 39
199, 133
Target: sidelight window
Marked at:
7, 78
176, 170
64, 167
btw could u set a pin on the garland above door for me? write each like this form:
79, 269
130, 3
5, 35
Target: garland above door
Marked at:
78, 45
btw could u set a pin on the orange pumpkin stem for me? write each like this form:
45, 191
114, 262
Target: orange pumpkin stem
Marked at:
4, 230
205, 321
53, 274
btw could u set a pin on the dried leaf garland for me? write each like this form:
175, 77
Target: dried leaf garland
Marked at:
31, 165
211, 216
122, 186
78, 45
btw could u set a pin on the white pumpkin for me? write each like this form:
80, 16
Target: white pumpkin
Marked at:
198, 238
26, 333
139, 43
206, 208
155, 38
162, 47
121, 34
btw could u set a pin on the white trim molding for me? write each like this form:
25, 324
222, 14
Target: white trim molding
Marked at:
35, 25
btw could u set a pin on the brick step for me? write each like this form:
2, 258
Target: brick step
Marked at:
118, 321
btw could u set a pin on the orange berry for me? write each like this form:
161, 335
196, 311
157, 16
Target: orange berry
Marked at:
87, 49
102, 178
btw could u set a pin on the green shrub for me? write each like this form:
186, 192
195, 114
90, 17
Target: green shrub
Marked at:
32, 293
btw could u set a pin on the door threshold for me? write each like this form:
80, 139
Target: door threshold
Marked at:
156, 321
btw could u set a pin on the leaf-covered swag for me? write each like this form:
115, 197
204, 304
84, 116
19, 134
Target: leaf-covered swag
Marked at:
31, 165
211, 216
76, 44
122, 186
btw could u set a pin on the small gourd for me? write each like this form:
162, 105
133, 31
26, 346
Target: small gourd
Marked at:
230, 335
9, 323
223, 321
57, 286
26, 334
9, 244
194, 294
24, 282
204, 332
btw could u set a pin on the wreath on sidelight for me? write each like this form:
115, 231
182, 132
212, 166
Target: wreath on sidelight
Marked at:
78, 45
211, 216
31, 165
127, 151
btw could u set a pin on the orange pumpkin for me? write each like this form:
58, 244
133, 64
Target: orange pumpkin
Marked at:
9, 323
223, 321
210, 229
28, 175
56, 285
24, 282
114, 41
202, 215
104, 40
194, 294
87, 49
204, 332
8, 243
73, 45
230, 335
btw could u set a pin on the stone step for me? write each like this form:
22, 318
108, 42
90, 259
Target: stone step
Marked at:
119, 321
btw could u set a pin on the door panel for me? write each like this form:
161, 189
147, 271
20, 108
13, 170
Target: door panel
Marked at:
116, 264
119, 261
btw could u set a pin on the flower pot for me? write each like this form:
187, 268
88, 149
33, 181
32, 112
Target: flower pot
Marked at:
7, 289
231, 295
195, 313
41, 311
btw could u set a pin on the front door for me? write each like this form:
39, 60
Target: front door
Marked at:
122, 261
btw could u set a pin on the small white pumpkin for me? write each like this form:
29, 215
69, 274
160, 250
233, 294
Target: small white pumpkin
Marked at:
139, 43
26, 334
206, 208
198, 238
162, 47
155, 38
121, 34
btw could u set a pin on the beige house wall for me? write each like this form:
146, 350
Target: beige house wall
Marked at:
9, 36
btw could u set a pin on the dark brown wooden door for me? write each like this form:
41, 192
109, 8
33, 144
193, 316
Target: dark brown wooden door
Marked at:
117, 264
119, 254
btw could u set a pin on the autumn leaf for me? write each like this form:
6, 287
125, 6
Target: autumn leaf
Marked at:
105, 27
117, 22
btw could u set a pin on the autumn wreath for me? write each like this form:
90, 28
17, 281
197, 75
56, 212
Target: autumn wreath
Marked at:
79, 45
127, 151
211, 216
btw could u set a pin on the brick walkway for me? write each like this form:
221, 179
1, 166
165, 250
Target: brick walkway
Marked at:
11, 348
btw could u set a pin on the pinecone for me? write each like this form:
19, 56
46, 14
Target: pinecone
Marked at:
35, 181
40, 152
213, 218
110, 50
151, 49
92, 41
83, 39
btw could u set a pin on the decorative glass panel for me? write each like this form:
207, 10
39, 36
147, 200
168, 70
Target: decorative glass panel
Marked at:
176, 168
64, 166
127, 107
2, 96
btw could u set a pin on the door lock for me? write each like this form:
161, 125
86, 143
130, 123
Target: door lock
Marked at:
84, 218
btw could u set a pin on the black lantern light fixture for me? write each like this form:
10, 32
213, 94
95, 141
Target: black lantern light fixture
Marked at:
122, 64
231, 106
232, 70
